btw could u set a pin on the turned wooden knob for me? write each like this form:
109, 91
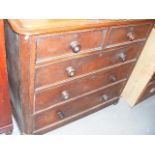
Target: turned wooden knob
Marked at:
112, 78
70, 71
104, 97
131, 36
60, 115
65, 95
75, 46
122, 57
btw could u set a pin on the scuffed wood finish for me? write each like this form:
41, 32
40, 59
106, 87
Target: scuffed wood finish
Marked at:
5, 110
20, 68
27, 62
46, 75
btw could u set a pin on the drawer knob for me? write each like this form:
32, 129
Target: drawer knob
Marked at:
104, 97
60, 115
65, 95
112, 78
75, 46
131, 36
70, 71
122, 57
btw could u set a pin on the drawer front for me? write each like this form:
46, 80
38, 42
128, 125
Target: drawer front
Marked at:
69, 43
66, 91
150, 90
125, 34
66, 70
64, 111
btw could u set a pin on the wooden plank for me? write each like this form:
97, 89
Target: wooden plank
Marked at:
142, 72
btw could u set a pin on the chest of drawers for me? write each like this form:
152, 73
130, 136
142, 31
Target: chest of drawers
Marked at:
62, 70
5, 111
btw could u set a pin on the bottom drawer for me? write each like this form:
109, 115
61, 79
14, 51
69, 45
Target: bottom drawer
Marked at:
149, 91
64, 111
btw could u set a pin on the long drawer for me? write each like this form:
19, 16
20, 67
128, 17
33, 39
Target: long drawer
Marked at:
126, 34
56, 45
68, 109
66, 91
75, 66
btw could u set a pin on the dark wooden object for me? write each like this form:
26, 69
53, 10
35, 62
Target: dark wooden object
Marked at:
62, 70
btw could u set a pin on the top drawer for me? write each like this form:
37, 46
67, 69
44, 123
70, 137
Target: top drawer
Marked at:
49, 46
126, 34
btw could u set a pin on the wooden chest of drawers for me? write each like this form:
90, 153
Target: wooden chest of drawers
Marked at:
62, 70
5, 111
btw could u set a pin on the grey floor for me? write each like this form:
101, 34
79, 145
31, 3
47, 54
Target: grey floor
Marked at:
116, 119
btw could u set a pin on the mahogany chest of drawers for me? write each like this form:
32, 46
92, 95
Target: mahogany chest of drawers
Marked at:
62, 70
5, 111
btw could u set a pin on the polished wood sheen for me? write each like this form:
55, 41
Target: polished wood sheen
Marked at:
63, 70
5, 110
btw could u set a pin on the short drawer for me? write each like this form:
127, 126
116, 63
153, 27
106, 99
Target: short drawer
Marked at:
50, 46
125, 34
64, 111
149, 91
68, 90
71, 68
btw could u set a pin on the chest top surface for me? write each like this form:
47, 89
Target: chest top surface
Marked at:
42, 26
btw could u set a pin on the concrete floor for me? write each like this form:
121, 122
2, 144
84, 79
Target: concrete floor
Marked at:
116, 119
